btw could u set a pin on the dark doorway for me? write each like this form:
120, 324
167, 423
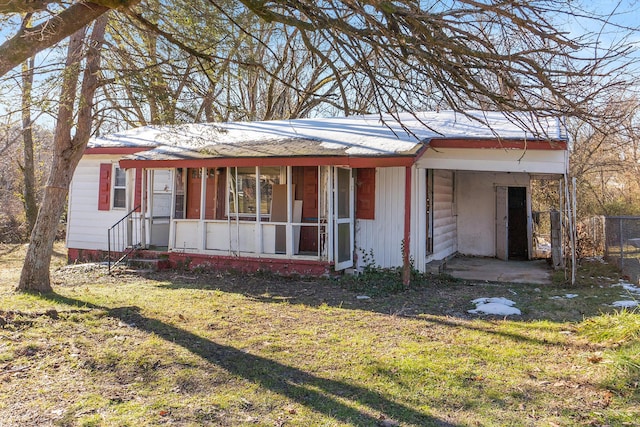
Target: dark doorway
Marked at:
517, 228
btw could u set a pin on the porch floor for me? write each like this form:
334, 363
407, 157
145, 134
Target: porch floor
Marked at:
495, 270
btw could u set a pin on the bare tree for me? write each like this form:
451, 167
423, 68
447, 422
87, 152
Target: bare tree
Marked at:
406, 54
67, 152
375, 56
28, 162
604, 160
53, 28
260, 71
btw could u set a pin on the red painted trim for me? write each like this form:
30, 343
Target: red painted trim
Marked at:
115, 150
421, 152
137, 192
104, 187
498, 143
353, 162
406, 266
366, 193
380, 162
282, 266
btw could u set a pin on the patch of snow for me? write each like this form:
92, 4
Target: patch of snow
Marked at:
498, 306
625, 304
630, 288
495, 300
565, 296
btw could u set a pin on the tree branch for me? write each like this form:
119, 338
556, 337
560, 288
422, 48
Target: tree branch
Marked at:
29, 41
25, 6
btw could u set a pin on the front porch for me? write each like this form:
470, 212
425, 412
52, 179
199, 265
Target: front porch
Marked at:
296, 219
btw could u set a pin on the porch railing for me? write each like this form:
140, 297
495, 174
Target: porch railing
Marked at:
124, 237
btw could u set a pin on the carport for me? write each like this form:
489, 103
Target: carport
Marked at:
494, 270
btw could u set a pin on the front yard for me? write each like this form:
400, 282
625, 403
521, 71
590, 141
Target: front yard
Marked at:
205, 348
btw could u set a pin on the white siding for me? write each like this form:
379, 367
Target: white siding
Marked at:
498, 160
383, 235
86, 225
476, 204
444, 215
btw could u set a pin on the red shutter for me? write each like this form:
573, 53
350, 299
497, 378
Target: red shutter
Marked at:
366, 193
137, 196
104, 187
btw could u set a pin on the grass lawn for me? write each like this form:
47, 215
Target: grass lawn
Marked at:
192, 348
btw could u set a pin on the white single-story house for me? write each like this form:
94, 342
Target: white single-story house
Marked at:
312, 196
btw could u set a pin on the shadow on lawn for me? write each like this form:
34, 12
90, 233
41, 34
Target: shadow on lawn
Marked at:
320, 394
423, 302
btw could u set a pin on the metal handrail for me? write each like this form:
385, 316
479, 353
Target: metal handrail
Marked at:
125, 239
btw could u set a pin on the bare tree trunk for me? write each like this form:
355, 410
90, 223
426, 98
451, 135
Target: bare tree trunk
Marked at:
28, 168
66, 155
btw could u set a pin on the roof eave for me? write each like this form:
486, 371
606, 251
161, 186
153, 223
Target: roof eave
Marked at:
350, 161
499, 143
115, 150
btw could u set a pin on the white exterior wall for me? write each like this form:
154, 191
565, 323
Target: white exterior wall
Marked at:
86, 225
445, 232
496, 160
476, 205
384, 234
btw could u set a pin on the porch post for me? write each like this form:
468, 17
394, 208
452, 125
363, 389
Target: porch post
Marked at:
143, 206
406, 265
289, 228
202, 241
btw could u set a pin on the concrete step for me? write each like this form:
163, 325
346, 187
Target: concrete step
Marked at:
436, 267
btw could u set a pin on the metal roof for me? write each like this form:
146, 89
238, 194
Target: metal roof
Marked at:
356, 136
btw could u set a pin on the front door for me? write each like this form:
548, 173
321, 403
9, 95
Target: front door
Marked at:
161, 195
518, 235
512, 227
343, 214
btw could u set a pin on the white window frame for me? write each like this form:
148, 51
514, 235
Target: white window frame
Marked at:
115, 187
232, 176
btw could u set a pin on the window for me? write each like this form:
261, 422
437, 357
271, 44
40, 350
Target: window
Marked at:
242, 197
269, 176
178, 209
119, 188
243, 194
112, 187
